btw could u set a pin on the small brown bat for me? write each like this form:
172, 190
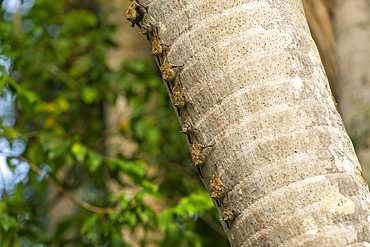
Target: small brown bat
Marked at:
217, 187
179, 98
228, 213
146, 24
157, 46
133, 14
168, 73
187, 125
197, 153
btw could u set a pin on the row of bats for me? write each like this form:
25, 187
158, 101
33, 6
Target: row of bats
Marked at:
138, 15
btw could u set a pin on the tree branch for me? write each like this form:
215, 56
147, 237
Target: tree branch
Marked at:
68, 194
59, 73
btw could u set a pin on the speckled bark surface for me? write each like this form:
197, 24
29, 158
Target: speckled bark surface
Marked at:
260, 94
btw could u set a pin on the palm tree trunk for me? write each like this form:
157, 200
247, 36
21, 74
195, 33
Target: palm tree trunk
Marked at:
259, 93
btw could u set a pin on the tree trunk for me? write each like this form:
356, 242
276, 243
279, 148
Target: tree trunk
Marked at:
352, 26
259, 93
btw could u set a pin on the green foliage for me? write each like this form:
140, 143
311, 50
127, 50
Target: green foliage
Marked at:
61, 82
193, 206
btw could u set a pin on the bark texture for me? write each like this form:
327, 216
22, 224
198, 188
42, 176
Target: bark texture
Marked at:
352, 26
259, 93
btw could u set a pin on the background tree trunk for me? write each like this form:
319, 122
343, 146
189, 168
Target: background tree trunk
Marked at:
352, 27
130, 46
260, 94
319, 18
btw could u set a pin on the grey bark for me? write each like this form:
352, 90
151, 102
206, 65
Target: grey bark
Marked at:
352, 27
260, 94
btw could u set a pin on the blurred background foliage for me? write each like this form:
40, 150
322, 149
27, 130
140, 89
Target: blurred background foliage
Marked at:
61, 184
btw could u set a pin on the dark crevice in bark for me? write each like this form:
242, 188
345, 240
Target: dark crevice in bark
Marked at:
169, 88
189, 139
200, 172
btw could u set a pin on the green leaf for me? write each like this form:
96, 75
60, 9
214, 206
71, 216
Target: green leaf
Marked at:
66, 225
34, 153
89, 95
17, 197
124, 203
187, 207
26, 106
81, 66
138, 110
129, 167
2, 207
2, 81
79, 151
141, 127
59, 149
153, 136
94, 160
80, 19
7, 221
116, 240
13, 83
165, 218
54, 144
87, 226
131, 219
31, 96
151, 189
